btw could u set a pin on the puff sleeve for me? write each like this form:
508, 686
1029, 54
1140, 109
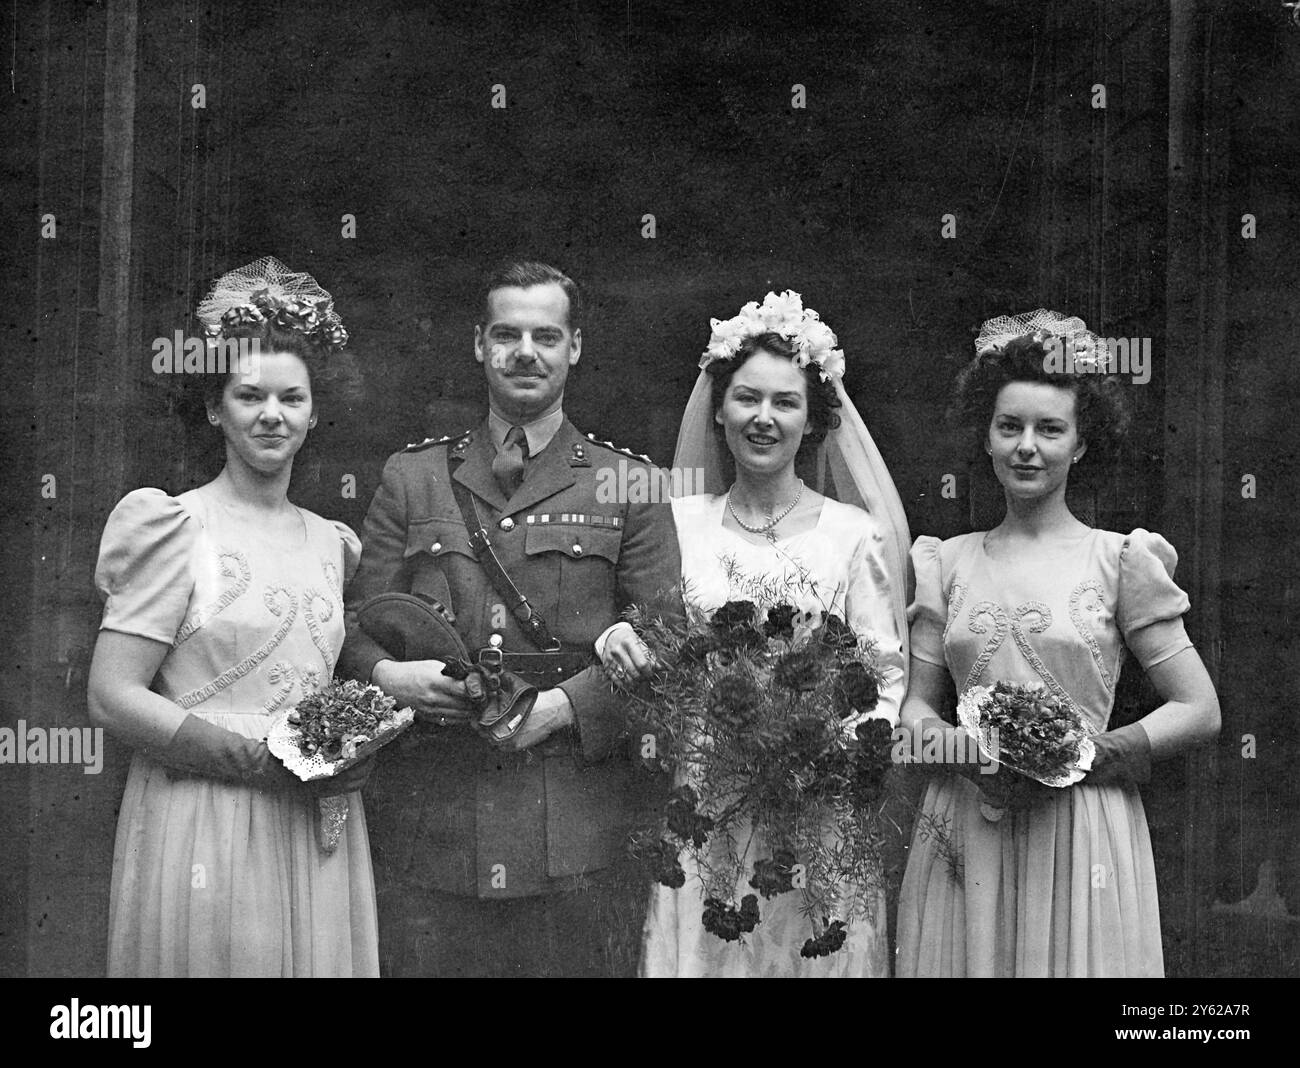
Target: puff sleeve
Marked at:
871, 609
351, 546
1150, 605
144, 572
927, 615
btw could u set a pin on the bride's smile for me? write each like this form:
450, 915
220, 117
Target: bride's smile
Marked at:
764, 414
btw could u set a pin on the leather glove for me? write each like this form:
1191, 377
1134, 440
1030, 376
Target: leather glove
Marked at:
203, 748
502, 699
1123, 756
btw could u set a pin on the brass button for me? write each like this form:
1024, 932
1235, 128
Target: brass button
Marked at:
507, 523
577, 549
435, 547
495, 641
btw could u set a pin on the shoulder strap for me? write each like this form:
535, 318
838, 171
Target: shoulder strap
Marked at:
533, 624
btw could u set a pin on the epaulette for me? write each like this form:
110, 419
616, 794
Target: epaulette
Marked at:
429, 443
618, 449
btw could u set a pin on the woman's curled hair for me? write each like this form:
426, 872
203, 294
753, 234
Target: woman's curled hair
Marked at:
1102, 411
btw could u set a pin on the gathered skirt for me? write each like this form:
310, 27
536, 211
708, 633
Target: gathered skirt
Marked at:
1064, 888
217, 879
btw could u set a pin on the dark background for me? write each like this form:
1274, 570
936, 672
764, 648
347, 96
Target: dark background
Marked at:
1129, 216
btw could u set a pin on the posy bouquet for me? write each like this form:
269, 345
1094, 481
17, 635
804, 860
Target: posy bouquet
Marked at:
331, 730
760, 716
1028, 729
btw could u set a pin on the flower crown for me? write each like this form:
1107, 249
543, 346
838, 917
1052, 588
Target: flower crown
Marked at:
784, 315
267, 290
1043, 326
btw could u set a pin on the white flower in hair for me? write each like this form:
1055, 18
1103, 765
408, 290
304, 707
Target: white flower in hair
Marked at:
785, 316
777, 311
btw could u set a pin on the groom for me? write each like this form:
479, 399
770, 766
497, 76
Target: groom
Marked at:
506, 861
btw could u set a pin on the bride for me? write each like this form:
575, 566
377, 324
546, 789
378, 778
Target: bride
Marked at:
768, 405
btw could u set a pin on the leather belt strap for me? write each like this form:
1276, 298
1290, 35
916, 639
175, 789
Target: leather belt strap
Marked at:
534, 626
547, 668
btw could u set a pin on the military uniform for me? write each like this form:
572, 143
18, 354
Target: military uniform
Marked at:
447, 812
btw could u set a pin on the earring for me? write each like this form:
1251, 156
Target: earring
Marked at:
212, 419
1075, 460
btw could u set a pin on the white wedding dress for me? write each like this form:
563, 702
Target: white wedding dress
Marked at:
842, 570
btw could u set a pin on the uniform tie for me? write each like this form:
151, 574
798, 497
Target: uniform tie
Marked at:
508, 466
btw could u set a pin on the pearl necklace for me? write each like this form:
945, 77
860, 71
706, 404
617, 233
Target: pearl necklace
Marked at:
768, 530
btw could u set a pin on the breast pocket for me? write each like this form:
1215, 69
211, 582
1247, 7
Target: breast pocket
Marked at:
576, 564
436, 555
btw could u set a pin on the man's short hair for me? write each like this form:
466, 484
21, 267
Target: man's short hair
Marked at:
525, 273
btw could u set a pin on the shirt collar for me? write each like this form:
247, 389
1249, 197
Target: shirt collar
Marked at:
539, 432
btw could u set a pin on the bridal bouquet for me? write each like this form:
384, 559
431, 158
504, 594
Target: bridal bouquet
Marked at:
749, 709
1028, 729
331, 730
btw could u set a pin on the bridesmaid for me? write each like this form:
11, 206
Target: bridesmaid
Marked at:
223, 606
1057, 882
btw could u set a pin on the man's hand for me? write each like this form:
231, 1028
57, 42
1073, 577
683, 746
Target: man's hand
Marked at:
624, 655
421, 684
551, 713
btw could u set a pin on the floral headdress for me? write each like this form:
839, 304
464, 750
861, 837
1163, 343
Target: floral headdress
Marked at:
1043, 326
267, 290
784, 315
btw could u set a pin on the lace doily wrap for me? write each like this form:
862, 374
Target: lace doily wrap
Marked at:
282, 740
268, 287
996, 332
968, 718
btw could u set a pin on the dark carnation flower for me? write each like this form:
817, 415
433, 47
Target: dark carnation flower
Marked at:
666, 867
872, 759
683, 820
798, 671
726, 921
856, 688
773, 875
807, 741
834, 633
735, 614
733, 699
696, 647
733, 624
780, 622
875, 734
825, 943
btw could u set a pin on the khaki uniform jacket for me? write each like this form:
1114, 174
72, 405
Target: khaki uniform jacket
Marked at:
445, 809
